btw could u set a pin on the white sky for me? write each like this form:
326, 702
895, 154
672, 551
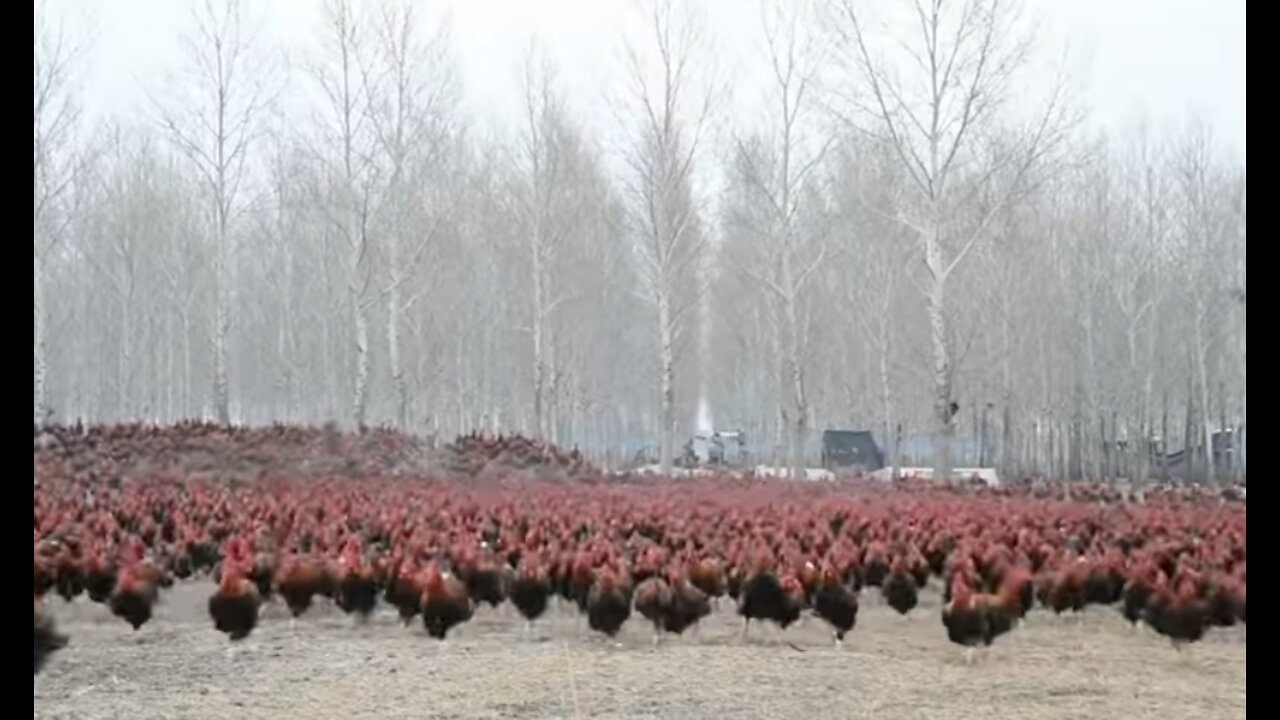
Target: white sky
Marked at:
1164, 57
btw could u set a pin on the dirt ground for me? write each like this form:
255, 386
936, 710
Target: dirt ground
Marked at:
890, 667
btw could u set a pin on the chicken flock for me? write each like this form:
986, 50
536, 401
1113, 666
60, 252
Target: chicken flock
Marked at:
435, 548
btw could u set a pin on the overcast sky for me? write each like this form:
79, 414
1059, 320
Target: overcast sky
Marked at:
1161, 57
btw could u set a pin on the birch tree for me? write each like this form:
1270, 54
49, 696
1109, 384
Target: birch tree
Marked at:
670, 117
1205, 219
559, 202
783, 165
411, 113
211, 113
939, 103
346, 149
57, 59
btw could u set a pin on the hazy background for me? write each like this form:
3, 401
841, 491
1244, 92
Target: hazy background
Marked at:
1102, 304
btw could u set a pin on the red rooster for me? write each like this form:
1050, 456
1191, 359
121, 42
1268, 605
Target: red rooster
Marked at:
974, 619
234, 606
404, 590
653, 600
1178, 614
836, 603
530, 590
899, 587
357, 588
445, 603
135, 592
688, 603
299, 580
608, 601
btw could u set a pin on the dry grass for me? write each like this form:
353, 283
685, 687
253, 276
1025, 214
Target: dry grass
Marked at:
890, 667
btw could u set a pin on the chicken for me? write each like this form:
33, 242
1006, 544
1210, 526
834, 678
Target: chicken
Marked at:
298, 580
608, 601
1065, 589
653, 600
579, 580
47, 638
709, 576
99, 577
875, 564
1137, 592
488, 581
759, 591
134, 596
899, 587
357, 588
1177, 613
1226, 601
688, 603
1104, 582
404, 591
810, 578
45, 574
974, 619
530, 590
445, 602
68, 575
836, 603
793, 602
234, 606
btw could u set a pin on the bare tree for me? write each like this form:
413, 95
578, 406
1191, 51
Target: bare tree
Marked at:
558, 210
344, 73
212, 116
783, 165
411, 112
940, 112
664, 211
57, 57
1205, 221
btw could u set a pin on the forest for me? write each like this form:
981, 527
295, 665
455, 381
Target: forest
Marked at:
913, 229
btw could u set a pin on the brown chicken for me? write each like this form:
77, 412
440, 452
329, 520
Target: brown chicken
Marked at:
356, 585
653, 599
99, 576
299, 580
974, 619
234, 606
530, 590
404, 590
608, 601
836, 603
445, 602
134, 595
487, 580
899, 587
1137, 592
688, 603
1176, 611
709, 576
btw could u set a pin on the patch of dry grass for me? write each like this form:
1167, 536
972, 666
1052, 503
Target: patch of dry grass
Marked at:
890, 667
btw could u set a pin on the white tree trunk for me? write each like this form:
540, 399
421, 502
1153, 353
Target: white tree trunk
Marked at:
399, 384
1202, 379
666, 358
41, 361
539, 360
938, 338
221, 323
359, 404
795, 370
